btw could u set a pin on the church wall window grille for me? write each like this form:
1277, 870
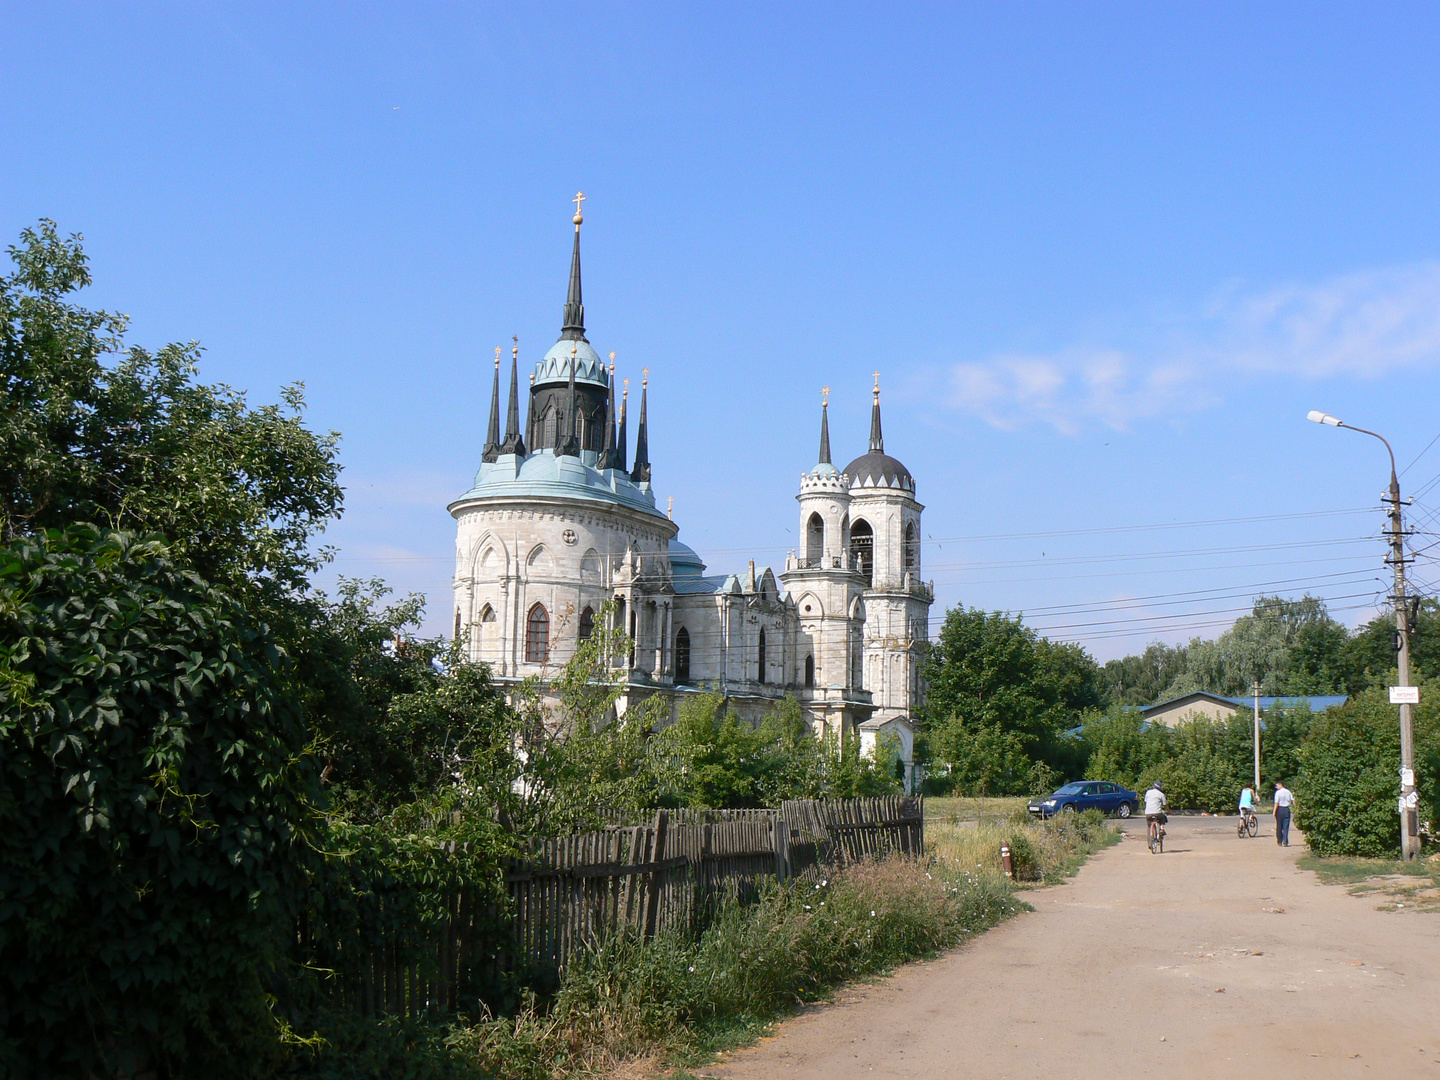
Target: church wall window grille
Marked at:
809, 673
587, 623
760, 655
862, 549
537, 635
682, 656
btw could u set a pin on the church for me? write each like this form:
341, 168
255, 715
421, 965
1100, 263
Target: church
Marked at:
562, 520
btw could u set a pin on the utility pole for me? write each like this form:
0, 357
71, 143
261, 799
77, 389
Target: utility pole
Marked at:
1257, 740
1404, 694
1409, 808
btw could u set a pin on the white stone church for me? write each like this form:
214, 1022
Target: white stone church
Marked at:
556, 524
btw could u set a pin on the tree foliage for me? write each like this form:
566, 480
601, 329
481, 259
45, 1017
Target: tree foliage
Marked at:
137, 444
1001, 697
1349, 777
155, 813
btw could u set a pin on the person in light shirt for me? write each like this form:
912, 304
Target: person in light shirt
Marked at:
1155, 803
1284, 800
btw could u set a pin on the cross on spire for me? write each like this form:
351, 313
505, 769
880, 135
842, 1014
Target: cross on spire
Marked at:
579, 210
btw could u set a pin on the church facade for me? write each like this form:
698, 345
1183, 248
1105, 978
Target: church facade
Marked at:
560, 522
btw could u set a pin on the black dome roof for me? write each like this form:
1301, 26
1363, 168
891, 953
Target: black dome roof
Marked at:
877, 469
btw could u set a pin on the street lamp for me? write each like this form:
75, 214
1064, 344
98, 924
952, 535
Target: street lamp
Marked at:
1404, 695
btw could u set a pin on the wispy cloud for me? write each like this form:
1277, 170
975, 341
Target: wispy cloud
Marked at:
1361, 325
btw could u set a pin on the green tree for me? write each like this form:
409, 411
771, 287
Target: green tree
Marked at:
1142, 679
156, 814
137, 444
997, 687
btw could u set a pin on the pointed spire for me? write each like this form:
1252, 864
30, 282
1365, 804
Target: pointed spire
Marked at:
573, 328
622, 442
607, 445
513, 443
825, 426
492, 436
530, 416
566, 438
877, 440
641, 472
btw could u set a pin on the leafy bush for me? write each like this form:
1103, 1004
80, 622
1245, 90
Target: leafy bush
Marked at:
155, 805
1349, 777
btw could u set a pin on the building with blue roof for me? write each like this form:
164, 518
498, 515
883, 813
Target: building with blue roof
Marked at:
557, 525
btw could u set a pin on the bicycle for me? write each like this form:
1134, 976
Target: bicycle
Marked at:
1157, 836
1249, 824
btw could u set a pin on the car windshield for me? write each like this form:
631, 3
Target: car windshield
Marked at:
1071, 789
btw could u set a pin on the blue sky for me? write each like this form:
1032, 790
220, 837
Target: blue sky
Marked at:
1105, 257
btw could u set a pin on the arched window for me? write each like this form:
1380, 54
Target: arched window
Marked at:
457, 624
862, 549
634, 627
809, 673
549, 427
587, 623
761, 655
814, 540
912, 547
537, 635
682, 656
487, 614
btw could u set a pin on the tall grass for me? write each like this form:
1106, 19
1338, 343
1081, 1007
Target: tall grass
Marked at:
679, 998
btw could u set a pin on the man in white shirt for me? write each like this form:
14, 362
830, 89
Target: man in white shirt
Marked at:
1155, 803
1284, 800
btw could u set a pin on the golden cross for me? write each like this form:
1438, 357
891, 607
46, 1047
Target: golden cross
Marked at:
627, 384
824, 395
515, 349
877, 382
577, 200
612, 361
497, 356
670, 508
646, 380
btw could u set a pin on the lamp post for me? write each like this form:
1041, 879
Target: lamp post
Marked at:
1407, 695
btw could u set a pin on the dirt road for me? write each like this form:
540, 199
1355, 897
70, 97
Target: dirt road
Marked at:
1217, 957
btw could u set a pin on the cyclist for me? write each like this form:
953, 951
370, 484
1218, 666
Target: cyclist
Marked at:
1155, 804
1247, 801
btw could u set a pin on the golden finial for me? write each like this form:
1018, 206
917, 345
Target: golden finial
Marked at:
670, 508
515, 348
612, 365
497, 357
532, 380
646, 373
877, 384
824, 395
577, 200
626, 380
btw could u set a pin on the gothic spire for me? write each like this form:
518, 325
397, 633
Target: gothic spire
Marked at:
574, 321
641, 473
566, 443
825, 426
607, 445
492, 436
877, 440
530, 416
513, 443
622, 442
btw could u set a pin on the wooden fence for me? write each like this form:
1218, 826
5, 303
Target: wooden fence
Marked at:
660, 873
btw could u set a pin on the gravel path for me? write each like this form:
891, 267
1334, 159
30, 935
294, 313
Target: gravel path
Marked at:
1216, 957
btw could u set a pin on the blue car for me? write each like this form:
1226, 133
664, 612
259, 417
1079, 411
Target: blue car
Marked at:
1089, 795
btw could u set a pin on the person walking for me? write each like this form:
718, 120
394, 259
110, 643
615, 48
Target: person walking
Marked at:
1284, 800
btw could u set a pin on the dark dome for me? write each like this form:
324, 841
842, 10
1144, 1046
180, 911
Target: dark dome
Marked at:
879, 470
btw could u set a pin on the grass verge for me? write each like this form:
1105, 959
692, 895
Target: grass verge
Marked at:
1399, 886
677, 1001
